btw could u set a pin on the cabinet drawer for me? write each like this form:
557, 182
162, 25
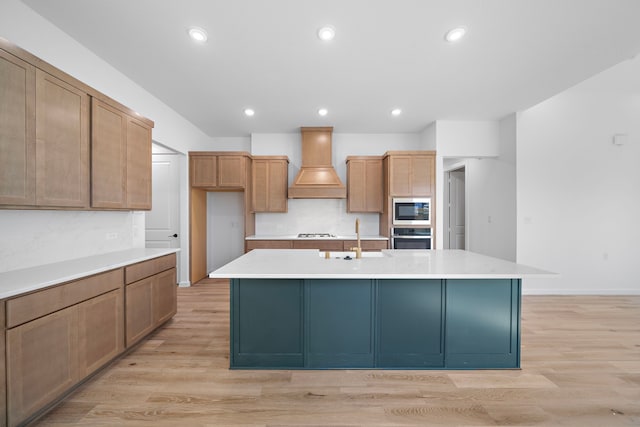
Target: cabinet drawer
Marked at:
28, 307
139, 271
366, 245
269, 244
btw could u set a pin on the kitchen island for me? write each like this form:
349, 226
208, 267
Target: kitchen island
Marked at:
431, 309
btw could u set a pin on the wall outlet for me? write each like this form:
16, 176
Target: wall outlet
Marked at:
111, 236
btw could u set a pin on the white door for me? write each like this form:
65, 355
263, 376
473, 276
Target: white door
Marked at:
163, 220
456, 214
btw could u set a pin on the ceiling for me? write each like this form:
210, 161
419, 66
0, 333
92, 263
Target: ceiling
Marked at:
265, 54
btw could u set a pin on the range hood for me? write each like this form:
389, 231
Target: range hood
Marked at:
317, 179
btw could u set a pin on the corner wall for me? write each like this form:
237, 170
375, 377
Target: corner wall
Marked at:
578, 200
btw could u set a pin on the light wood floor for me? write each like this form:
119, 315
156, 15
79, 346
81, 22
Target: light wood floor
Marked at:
580, 367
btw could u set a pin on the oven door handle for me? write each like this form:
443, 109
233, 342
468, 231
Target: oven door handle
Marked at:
410, 237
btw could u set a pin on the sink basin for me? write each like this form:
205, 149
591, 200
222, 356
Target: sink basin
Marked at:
341, 254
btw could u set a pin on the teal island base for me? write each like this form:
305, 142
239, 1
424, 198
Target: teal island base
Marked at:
376, 323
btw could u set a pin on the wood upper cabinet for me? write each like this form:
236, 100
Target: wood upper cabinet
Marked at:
411, 174
364, 184
108, 156
138, 165
44, 138
62, 143
17, 131
269, 183
218, 170
52, 127
120, 159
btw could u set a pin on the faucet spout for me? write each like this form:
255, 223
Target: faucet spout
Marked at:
358, 249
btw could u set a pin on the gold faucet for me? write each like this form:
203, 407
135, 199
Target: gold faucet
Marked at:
358, 249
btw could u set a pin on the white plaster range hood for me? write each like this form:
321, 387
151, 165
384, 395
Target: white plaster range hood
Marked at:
317, 179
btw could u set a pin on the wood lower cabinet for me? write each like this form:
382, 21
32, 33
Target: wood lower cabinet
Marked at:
323, 245
42, 362
100, 331
364, 184
269, 183
3, 367
139, 311
55, 338
150, 295
268, 244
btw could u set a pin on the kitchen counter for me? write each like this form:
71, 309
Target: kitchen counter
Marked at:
402, 309
16, 282
406, 264
295, 237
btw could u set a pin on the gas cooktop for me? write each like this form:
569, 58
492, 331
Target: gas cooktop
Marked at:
316, 236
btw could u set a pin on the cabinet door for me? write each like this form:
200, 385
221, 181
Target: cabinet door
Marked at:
268, 244
410, 323
204, 171
422, 169
269, 185
42, 362
231, 171
400, 176
339, 323
3, 366
17, 131
62, 143
365, 185
108, 156
138, 165
164, 296
266, 327
100, 331
322, 245
139, 310
482, 323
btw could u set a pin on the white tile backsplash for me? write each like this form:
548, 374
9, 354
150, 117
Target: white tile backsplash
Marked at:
31, 238
316, 216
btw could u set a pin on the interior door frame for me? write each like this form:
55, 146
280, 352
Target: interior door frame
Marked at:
452, 167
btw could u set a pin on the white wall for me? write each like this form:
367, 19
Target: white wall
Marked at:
225, 228
578, 203
31, 238
491, 198
459, 140
23, 27
324, 215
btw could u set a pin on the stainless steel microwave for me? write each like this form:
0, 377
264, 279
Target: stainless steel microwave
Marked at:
412, 211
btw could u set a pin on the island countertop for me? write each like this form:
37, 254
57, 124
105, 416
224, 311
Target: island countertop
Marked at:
388, 264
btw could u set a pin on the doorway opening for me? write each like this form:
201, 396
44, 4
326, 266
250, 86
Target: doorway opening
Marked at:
455, 209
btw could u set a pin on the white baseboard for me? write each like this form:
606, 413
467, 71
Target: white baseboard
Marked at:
184, 284
603, 292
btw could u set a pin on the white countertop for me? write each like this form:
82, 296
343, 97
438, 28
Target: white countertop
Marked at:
295, 237
16, 282
404, 264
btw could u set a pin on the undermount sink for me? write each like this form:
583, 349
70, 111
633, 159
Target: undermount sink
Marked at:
343, 254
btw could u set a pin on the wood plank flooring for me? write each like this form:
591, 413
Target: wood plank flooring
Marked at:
580, 367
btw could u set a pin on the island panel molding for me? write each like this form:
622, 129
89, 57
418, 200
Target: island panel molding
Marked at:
412, 321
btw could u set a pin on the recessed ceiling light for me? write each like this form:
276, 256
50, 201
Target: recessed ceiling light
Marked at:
198, 34
249, 112
455, 34
326, 33
396, 112
323, 111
